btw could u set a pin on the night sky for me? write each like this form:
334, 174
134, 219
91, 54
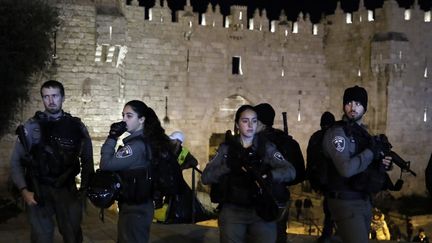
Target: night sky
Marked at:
316, 8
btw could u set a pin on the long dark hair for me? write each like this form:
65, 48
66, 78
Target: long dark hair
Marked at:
138, 106
155, 134
153, 131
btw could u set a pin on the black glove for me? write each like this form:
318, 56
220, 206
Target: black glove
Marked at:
377, 148
117, 129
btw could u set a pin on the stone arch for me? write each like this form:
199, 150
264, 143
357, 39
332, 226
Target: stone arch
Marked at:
220, 117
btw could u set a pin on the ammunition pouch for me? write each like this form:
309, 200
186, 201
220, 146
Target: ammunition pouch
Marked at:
136, 186
372, 180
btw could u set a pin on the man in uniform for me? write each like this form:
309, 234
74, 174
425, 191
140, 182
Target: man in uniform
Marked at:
352, 152
290, 149
53, 149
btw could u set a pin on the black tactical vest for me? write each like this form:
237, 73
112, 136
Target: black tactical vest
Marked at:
57, 154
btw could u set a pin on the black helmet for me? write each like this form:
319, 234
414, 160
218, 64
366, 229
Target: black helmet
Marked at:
104, 188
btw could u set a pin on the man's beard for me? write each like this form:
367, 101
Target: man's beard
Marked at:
54, 111
354, 118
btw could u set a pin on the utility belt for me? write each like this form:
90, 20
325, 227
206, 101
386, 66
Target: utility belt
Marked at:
347, 195
57, 182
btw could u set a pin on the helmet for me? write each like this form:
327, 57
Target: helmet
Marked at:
104, 188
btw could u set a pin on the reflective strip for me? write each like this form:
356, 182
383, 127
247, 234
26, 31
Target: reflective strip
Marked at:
182, 156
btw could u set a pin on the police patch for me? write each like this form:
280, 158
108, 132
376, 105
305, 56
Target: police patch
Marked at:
124, 152
278, 156
339, 143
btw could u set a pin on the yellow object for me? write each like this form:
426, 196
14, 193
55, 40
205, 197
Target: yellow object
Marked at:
182, 156
160, 214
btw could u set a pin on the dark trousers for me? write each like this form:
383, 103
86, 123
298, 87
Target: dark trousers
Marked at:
134, 222
328, 222
63, 204
281, 225
241, 224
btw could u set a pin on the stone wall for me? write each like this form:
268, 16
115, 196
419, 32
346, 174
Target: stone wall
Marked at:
108, 54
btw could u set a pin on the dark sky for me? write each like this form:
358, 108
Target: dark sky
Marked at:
316, 8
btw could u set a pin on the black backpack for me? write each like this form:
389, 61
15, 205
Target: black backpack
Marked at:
317, 162
166, 174
291, 151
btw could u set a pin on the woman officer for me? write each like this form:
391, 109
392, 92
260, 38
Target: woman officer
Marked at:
239, 220
132, 162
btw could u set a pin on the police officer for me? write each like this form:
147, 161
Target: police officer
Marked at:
347, 145
58, 144
132, 162
239, 219
290, 149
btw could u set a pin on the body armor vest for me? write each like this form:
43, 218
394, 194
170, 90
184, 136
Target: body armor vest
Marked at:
137, 183
239, 187
57, 154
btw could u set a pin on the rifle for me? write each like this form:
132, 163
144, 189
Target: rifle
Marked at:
396, 159
285, 122
264, 201
20, 131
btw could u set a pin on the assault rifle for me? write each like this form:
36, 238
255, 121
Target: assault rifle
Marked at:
264, 201
386, 147
29, 165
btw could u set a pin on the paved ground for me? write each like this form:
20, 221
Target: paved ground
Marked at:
16, 230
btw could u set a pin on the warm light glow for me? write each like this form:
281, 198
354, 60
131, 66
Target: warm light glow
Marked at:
110, 32
299, 108
241, 15
190, 24
359, 73
110, 54
150, 14
427, 16
349, 18
98, 53
315, 29
251, 24
425, 72
272, 26
121, 55
407, 14
370, 15
425, 115
295, 28
283, 73
203, 20
227, 22
286, 32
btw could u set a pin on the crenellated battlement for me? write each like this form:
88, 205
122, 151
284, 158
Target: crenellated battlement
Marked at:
197, 68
